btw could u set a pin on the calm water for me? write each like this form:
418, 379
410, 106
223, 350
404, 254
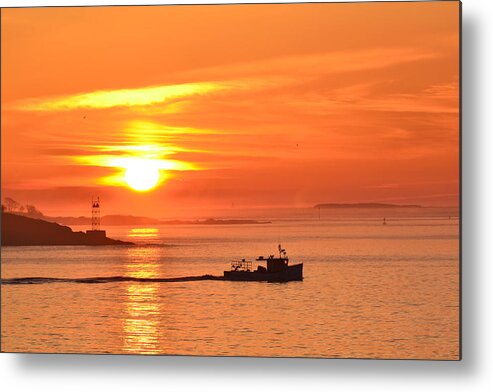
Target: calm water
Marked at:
369, 291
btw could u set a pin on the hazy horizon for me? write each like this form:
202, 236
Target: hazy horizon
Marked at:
259, 212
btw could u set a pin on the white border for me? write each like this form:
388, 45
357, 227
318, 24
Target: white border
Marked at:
130, 373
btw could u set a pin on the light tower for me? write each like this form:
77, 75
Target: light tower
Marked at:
96, 236
96, 215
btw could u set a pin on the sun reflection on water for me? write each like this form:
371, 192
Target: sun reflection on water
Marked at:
140, 324
144, 232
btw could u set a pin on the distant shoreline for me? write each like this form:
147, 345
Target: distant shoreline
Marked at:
366, 205
129, 220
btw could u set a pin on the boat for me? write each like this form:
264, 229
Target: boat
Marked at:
276, 269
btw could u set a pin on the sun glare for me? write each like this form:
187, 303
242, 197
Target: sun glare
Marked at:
139, 167
142, 175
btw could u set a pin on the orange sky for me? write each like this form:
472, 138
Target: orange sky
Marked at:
251, 105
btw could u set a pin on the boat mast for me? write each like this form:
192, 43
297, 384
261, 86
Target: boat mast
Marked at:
282, 252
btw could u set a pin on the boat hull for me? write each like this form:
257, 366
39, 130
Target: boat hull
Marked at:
291, 273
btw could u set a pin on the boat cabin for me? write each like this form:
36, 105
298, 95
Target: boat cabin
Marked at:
275, 264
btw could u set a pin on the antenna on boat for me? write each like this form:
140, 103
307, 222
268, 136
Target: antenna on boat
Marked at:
282, 252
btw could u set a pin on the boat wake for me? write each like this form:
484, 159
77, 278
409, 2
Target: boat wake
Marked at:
108, 279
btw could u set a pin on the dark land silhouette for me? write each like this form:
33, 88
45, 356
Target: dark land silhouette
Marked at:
20, 230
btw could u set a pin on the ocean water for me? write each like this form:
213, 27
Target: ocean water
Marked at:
369, 291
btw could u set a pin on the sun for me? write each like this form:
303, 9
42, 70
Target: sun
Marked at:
142, 175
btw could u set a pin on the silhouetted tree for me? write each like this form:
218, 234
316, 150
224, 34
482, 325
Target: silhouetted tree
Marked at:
10, 204
33, 211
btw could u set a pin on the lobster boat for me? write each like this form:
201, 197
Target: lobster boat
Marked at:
276, 269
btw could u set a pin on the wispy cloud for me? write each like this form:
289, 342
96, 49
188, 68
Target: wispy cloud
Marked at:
312, 64
126, 97
272, 73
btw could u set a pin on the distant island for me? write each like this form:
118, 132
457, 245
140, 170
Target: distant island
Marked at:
130, 220
29, 211
106, 220
20, 230
366, 205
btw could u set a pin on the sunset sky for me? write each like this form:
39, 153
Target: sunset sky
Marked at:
245, 106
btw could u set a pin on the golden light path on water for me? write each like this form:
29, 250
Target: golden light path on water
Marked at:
144, 232
140, 325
